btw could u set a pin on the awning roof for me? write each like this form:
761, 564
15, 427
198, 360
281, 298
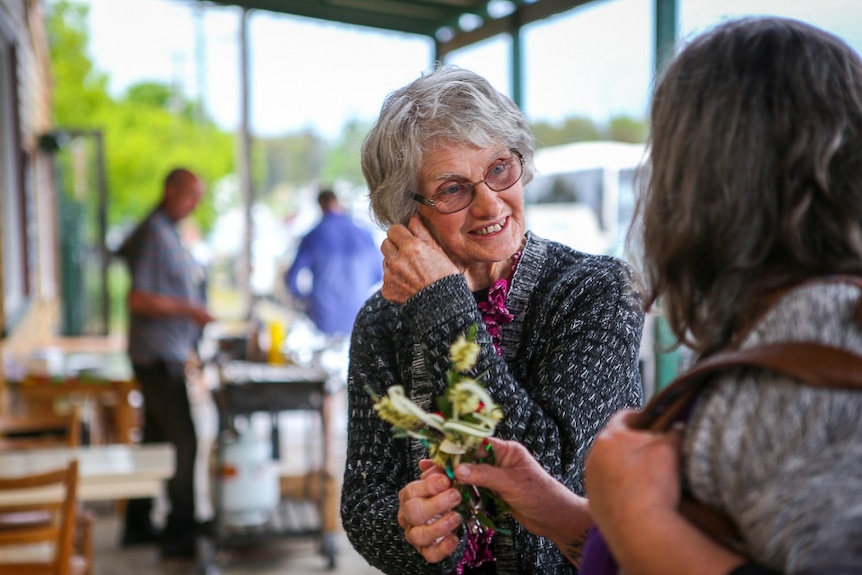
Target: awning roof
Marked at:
441, 20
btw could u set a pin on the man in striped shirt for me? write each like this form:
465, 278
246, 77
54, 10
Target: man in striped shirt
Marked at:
166, 317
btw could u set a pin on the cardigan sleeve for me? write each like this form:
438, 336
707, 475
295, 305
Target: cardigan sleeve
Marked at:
378, 465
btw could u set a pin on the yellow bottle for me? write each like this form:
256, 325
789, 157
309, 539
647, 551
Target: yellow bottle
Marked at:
276, 339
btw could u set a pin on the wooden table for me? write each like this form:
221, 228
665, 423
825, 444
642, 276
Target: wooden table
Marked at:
106, 472
95, 371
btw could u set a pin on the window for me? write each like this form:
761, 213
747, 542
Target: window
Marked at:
13, 216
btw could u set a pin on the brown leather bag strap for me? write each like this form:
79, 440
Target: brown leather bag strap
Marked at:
812, 363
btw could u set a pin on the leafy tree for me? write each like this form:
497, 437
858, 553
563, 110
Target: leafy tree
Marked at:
79, 89
148, 131
627, 129
292, 159
574, 129
342, 162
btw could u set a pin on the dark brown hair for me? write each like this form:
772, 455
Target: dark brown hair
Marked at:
756, 173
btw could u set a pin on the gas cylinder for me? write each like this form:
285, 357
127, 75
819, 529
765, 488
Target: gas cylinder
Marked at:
249, 489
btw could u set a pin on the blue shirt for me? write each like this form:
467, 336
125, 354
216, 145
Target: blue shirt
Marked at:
344, 263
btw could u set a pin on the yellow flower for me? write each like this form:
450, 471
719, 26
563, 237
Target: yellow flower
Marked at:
463, 354
463, 398
399, 410
388, 413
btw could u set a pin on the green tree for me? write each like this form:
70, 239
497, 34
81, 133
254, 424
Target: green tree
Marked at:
342, 162
294, 159
627, 129
79, 89
147, 131
573, 129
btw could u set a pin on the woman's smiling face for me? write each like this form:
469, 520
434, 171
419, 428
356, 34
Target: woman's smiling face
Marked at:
491, 229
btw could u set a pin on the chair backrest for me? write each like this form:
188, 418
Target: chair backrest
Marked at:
54, 492
40, 429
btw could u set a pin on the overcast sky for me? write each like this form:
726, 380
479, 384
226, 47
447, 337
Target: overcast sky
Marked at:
594, 61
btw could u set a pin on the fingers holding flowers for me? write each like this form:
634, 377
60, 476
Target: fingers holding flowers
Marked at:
426, 513
433, 507
517, 478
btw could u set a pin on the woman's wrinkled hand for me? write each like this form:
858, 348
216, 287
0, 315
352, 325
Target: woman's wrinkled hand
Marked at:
412, 260
426, 513
631, 472
518, 479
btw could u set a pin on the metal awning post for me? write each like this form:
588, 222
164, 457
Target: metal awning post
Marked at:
246, 191
517, 60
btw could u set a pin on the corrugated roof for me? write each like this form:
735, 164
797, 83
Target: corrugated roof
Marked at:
452, 24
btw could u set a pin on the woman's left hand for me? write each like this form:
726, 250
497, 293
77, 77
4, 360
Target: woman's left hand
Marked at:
412, 260
535, 498
426, 513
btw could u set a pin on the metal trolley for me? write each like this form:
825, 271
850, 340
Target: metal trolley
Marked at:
306, 505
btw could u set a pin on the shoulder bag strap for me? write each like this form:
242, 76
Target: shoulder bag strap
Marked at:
812, 363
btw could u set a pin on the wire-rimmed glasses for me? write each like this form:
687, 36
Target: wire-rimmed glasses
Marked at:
455, 196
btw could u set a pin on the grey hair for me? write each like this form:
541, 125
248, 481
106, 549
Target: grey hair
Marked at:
449, 106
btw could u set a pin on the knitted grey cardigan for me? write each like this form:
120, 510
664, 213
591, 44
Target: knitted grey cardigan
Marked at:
569, 361
784, 460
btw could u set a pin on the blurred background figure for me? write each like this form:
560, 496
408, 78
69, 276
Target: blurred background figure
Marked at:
167, 314
336, 267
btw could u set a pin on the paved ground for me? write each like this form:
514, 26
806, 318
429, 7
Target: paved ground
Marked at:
273, 557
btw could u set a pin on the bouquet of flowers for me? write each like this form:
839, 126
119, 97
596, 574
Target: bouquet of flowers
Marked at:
466, 416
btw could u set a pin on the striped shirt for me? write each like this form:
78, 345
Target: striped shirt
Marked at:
160, 264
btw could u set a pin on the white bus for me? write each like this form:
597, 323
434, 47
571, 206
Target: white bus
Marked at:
583, 194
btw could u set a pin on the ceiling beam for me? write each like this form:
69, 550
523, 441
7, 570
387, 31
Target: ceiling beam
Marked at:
525, 14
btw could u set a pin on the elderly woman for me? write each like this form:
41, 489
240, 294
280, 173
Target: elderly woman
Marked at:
559, 330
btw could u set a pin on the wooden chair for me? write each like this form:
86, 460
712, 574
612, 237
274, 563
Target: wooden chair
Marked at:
56, 534
40, 429
46, 430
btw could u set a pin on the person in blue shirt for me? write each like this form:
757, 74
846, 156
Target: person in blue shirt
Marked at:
344, 263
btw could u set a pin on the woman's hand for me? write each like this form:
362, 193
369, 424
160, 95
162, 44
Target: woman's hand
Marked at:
629, 473
426, 513
536, 500
412, 260
632, 480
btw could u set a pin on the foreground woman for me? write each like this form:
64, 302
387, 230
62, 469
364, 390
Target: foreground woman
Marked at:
559, 330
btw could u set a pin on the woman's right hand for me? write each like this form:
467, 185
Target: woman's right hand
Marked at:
412, 260
426, 513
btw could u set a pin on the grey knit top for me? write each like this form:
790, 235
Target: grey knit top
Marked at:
569, 361
784, 460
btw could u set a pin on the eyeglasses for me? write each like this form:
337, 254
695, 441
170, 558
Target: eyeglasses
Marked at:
453, 197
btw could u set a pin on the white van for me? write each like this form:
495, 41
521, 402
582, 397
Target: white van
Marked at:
583, 194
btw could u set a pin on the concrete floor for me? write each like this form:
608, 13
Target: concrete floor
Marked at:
300, 556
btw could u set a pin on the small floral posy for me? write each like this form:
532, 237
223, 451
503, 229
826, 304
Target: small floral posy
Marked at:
466, 416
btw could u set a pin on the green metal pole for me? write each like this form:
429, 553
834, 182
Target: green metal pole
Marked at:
517, 61
666, 360
666, 25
